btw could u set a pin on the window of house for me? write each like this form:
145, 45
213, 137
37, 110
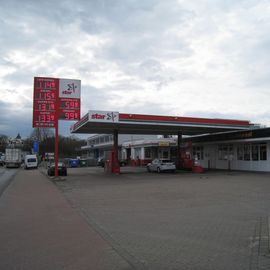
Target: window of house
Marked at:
198, 152
263, 151
246, 151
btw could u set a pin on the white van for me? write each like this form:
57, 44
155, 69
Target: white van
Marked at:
30, 161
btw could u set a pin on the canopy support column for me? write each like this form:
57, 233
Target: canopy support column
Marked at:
179, 141
115, 162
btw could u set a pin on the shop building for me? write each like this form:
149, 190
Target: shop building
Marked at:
239, 150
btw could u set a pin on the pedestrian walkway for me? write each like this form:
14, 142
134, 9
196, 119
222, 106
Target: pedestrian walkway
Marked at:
39, 230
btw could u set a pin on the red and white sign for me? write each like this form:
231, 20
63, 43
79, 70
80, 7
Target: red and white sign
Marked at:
103, 116
70, 88
55, 99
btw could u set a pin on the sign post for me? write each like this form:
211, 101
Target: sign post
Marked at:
55, 99
56, 149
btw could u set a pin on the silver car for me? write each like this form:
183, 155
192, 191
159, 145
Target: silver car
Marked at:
161, 165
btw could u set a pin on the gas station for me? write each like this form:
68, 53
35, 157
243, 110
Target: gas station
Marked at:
57, 99
108, 122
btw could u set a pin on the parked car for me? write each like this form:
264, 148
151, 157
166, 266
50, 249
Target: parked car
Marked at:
161, 165
123, 162
62, 169
101, 162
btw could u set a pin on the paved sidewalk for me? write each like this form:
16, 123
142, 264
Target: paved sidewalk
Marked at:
40, 230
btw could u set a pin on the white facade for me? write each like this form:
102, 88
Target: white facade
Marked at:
248, 155
98, 144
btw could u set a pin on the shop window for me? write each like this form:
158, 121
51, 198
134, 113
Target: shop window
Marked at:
225, 151
255, 152
240, 152
198, 152
263, 151
137, 152
147, 152
173, 152
230, 151
246, 151
165, 154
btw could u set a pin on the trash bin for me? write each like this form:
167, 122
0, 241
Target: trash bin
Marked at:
74, 163
83, 163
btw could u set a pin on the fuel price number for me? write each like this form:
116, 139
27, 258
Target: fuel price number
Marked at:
69, 109
45, 101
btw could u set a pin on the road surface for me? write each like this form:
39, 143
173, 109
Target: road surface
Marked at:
6, 176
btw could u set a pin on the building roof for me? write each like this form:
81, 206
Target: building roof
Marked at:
105, 122
256, 133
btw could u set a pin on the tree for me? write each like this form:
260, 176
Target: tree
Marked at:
41, 134
3, 142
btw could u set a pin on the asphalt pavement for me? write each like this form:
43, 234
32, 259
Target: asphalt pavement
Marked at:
135, 220
6, 176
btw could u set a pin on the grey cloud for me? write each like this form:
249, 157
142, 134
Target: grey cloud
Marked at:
94, 98
140, 38
12, 122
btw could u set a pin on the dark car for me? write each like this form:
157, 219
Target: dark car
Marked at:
101, 162
62, 169
122, 162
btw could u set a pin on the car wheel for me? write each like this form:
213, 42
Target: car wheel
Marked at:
158, 170
148, 169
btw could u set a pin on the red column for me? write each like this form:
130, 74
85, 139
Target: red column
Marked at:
115, 165
179, 141
56, 149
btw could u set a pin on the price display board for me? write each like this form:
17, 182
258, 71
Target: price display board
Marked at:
69, 99
55, 99
45, 102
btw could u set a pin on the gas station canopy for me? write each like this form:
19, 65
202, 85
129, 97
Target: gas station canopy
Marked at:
105, 122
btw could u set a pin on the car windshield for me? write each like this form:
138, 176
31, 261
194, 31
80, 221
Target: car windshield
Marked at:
165, 160
60, 164
31, 160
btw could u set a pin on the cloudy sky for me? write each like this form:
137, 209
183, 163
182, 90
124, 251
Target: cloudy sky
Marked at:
207, 58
